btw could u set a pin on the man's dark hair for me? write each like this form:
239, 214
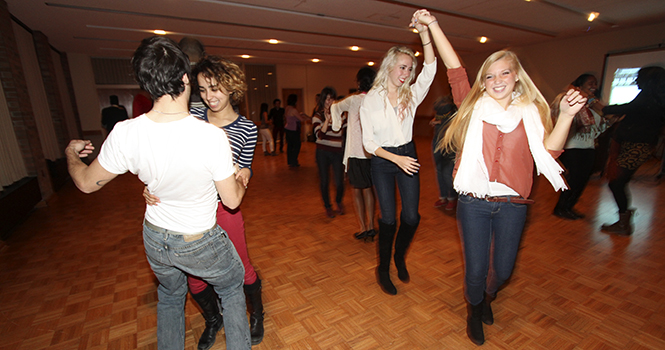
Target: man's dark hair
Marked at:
291, 100
365, 78
276, 100
113, 99
159, 66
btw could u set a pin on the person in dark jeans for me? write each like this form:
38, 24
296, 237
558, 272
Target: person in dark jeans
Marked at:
276, 115
294, 121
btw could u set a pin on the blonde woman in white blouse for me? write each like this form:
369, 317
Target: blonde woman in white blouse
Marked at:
386, 115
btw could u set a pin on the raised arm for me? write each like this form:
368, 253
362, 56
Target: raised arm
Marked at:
570, 104
423, 31
448, 55
90, 178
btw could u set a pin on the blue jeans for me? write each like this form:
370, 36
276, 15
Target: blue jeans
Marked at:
384, 175
326, 160
215, 260
488, 229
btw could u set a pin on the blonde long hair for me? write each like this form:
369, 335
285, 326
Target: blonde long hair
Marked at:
453, 140
381, 82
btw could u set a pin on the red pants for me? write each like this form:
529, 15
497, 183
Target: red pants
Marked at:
234, 225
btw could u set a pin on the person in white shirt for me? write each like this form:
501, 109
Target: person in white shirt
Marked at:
181, 235
386, 116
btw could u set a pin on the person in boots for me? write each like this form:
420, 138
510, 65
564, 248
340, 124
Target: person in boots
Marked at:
503, 123
387, 115
634, 140
222, 86
181, 236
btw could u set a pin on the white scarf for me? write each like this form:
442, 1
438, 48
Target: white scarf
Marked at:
472, 175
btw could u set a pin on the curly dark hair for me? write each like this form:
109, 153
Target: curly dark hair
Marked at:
226, 74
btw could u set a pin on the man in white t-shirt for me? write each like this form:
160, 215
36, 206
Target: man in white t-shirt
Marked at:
186, 162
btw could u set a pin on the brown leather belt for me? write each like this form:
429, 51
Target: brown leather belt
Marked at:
505, 199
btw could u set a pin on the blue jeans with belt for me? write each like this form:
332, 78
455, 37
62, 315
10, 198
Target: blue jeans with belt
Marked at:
211, 257
480, 224
384, 176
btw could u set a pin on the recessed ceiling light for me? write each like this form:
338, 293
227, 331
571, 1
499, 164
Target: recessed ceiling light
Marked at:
417, 53
245, 56
483, 39
414, 30
269, 73
592, 16
316, 60
159, 32
355, 48
370, 63
266, 85
273, 41
253, 78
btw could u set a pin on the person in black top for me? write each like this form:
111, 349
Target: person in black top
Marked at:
276, 115
634, 140
113, 114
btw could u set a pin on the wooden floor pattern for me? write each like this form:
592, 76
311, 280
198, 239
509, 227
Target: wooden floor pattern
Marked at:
74, 275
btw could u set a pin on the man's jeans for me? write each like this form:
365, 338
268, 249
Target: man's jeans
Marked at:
215, 260
488, 229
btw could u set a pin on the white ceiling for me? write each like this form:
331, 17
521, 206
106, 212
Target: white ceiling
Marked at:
323, 29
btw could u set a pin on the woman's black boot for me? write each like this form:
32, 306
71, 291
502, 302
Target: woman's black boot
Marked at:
386, 236
209, 303
488, 315
253, 292
402, 242
474, 324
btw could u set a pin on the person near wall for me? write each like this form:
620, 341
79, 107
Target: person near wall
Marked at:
294, 120
579, 151
444, 162
222, 86
329, 151
502, 127
267, 142
387, 114
181, 236
276, 117
634, 140
113, 114
356, 160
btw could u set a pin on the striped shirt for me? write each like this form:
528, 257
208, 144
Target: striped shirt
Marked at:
330, 140
242, 134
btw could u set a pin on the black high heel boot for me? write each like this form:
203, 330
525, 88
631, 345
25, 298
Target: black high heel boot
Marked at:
402, 242
474, 325
386, 236
209, 303
253, 292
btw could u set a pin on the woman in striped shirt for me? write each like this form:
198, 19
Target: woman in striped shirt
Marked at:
222, 87
329, 150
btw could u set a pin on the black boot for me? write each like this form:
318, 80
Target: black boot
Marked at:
488, 315
623, 227
386, 236
253, 292
402, 242
209, 303
474, 325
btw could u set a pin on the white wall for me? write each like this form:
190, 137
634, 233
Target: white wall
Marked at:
85, 90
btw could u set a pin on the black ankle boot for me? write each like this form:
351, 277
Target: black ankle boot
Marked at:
402, 242
386, 236
209, 303
474, 325
488, 315
253, 292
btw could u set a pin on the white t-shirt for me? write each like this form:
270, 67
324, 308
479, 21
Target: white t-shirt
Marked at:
179, 161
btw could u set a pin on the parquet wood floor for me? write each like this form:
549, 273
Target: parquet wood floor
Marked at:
74, 275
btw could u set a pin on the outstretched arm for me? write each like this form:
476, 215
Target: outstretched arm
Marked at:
445, 49
88, 178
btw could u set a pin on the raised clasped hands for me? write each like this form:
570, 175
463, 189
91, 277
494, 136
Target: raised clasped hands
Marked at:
81, 147
421, 19
572, 103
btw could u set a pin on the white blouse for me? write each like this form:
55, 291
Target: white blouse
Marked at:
380, 124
